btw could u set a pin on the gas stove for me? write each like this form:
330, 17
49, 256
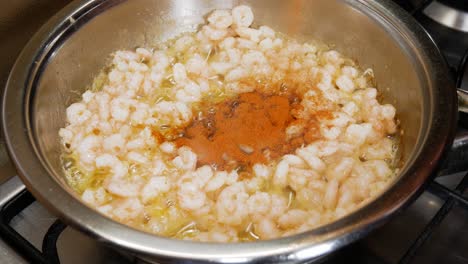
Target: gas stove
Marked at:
433, 229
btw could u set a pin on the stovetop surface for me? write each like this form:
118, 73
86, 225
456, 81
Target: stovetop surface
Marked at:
434, 229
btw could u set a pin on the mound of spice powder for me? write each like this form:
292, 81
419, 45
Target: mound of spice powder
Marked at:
246, 130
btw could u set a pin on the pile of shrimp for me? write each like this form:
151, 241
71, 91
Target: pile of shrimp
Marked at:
118, 166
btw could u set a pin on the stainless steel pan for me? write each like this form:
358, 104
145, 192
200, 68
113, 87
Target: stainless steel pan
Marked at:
63, 57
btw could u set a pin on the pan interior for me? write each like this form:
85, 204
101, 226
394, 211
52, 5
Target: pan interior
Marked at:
350, 27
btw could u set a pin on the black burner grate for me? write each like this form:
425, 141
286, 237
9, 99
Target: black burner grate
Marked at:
451, 197
49, 244
11, 209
